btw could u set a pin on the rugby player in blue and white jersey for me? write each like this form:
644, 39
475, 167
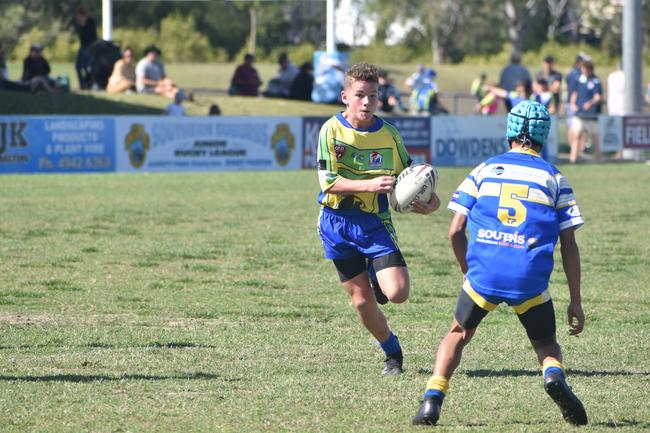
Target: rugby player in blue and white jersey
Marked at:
514, 208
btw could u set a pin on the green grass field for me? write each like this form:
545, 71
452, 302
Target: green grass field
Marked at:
201, 303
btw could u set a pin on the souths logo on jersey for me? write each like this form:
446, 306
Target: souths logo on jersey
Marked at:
282, 143
136, 143
502, 239
375, 159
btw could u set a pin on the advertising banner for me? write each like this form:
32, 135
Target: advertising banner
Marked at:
415, 131
57, 144
155, 143
610, 130
636, 132
470, 140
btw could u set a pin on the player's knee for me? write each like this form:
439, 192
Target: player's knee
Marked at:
398, 295
461, 335
361, 302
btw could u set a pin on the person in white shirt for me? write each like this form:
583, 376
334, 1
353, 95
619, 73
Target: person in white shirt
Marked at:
150, 75
616, 92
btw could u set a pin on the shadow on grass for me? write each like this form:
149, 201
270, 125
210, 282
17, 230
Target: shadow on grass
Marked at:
623, 423
87, 378
531, 373
97, 345
68, 103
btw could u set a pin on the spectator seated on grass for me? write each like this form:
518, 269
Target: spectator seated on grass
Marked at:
303, 84
150, 75
176, 108
246, 81
123, 77
389, 97
280, 86
5, 82
36, 71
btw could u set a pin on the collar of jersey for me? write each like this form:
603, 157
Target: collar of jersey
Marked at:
373, 128
527, 151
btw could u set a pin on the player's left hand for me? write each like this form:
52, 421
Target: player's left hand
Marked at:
576, 318
423, 207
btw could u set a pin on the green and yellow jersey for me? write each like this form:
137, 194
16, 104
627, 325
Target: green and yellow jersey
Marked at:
356, 154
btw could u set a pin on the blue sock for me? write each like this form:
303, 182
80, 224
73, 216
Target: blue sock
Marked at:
558, 371
434, 393
391, 346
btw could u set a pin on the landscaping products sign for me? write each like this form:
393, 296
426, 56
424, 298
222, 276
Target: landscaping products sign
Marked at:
56, 144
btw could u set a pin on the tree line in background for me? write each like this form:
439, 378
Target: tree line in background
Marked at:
434, 31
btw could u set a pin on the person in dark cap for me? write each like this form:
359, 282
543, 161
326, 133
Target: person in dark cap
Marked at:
150, 76
36, 70
553, 78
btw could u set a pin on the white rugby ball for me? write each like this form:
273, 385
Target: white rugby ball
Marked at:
417, 182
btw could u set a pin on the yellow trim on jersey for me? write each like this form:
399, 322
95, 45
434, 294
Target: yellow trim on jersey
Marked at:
468, 187
478, 299
545, 296
529, 151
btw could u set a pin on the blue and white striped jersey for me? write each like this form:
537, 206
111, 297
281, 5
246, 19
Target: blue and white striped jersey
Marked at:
516, 205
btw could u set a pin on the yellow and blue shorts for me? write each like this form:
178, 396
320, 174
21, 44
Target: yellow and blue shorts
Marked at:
536, 314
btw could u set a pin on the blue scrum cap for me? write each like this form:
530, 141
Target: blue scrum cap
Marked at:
528, 121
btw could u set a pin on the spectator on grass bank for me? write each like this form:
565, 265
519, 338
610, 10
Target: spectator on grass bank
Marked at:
388, 95
176, 108
543, 95
424, 97
87, 31
150, 74
415, 79
123, 77
5, 82
328, 81
521, 92
214, 110
36, 70
572, 78
245, 81
554, 80
586, 101
511, 75
280, 86
303, 84
616, 92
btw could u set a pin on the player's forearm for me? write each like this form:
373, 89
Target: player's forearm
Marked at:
572, 268
344, 186
459, 246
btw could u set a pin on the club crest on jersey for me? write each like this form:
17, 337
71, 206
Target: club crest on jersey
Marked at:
339, 149
498, 170
375, 159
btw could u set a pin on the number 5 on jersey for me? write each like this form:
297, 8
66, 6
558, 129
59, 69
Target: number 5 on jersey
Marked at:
512, 211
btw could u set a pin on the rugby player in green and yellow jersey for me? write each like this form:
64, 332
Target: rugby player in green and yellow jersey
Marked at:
359, 154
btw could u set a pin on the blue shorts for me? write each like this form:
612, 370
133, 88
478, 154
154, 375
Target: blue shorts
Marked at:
349, 233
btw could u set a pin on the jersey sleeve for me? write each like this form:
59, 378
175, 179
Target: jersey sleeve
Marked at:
464, 198
566, 207
326, 154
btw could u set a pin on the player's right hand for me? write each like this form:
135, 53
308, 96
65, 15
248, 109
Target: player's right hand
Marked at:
576, 318
381, 184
